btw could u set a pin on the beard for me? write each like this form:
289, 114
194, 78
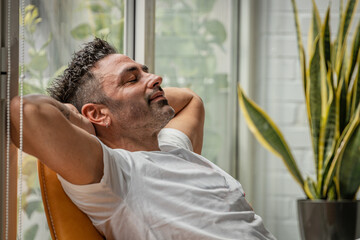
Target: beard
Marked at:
162, 112
137, 115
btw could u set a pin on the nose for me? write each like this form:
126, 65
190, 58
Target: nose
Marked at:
154, 80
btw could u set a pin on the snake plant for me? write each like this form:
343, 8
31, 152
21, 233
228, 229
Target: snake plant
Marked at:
331, 81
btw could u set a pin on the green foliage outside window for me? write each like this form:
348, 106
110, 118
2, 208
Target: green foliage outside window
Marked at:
36, 67
188, 39
195, 34
106, 21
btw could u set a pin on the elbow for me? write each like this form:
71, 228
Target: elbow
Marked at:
29, 110
27, 100
29, 104
201, 108
198, 99
194, 96
15, 120
198, 102
15, 104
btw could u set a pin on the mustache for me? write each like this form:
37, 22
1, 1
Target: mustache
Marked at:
156, 89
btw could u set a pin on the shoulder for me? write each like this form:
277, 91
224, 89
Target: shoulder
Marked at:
170, 138
116, 176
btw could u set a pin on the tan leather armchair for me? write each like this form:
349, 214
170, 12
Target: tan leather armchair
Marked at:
65, 220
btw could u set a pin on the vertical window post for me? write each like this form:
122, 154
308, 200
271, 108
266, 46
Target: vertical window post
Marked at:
8, 224
247, 76
140, 31
233, 117
129, 28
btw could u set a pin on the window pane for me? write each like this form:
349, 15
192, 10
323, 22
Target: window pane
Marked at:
54, 29
193, 49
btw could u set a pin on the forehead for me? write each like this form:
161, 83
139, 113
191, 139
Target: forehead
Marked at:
113, 64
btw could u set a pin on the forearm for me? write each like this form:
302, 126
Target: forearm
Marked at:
58, 136
179, 98
39, 112
190, 114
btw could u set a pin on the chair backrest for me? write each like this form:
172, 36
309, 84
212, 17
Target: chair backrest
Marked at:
65, 220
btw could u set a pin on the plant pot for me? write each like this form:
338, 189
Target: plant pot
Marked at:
329, 220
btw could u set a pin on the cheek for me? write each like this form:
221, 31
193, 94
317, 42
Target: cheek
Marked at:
132, 112
138, 111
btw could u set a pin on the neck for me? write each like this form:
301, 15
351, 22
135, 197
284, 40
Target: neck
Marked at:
131, 142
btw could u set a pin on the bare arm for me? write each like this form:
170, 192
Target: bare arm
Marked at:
59, 137
189, 114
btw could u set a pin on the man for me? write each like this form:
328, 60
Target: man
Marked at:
141, 177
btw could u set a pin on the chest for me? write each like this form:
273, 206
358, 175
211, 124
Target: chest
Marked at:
180, 169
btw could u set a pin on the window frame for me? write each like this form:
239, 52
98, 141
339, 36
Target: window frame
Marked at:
11, 204
139, 44
139, 31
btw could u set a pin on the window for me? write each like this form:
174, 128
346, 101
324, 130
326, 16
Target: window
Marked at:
53, 31
194, 47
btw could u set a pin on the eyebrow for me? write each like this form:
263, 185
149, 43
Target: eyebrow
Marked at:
145, 68
134, 68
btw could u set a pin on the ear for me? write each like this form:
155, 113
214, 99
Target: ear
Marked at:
97, 114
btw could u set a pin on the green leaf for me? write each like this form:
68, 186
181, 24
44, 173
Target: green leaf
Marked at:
32, 52
268, 134
48, 41
32, 206
347, 18
328, 131
341, 146
29, 7
310, 189
300, 44
34, 14
217, 30
109, 3
204, 6
356, 88
314, 29
326, 39
39, 61
341, 89
102, 21
331, 133
81, 32
31, 232
27, 19
354, 53
332, 195
352, 90
341, 8
341, 98
101, 33
96, 8
348, 173
57, 73
313, 99
116, 34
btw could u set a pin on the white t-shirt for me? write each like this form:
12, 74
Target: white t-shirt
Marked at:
169, 194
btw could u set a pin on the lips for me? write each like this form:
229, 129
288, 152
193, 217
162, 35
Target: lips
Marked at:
156, 96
